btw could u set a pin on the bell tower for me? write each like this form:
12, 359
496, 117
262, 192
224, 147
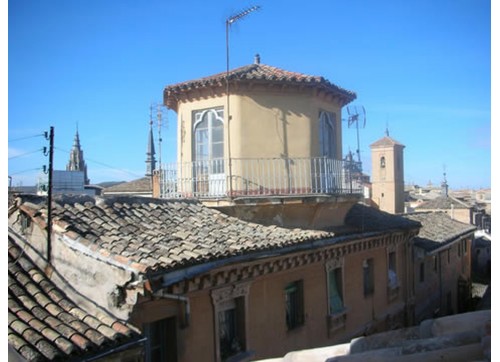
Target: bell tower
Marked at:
388, 174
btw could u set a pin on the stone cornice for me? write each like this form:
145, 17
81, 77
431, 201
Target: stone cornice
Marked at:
247, 271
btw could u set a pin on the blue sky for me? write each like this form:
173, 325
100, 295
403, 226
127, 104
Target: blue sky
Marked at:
420, 67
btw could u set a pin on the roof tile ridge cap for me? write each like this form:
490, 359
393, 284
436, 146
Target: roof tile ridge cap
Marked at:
30, 210
458, 201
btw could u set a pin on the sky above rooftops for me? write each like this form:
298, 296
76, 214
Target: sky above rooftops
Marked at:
419, 68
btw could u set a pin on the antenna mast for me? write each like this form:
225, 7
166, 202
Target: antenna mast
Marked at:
229, 21
161, 120
355, 115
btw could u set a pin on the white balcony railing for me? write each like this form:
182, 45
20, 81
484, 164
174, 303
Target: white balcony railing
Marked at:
259, 177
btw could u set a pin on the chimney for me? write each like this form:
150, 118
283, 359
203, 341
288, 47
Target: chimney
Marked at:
257, 59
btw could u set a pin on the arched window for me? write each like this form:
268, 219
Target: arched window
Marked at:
327, 147
208, 135
382, 162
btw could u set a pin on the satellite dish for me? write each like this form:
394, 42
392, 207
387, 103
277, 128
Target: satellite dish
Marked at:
356, 116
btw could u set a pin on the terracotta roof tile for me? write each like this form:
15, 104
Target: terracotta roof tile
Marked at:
443, 203
257, 73
44, 324
437, 229
365, 218
150, 245
386, 141
182, 232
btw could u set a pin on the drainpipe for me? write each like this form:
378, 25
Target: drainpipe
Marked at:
181, 298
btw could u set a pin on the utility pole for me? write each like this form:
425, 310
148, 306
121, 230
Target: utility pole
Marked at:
49, 195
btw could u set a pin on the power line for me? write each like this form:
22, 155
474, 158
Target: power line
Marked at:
102, 164
25, 138
31, 169
25, 154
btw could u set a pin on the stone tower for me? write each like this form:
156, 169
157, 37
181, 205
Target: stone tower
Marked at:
388, 174
76, 161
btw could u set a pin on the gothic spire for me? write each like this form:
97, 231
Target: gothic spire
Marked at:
76, 161
150, 153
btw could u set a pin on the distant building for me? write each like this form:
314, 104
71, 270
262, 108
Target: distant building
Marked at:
441, 265
388, 174
76, 160
481, 256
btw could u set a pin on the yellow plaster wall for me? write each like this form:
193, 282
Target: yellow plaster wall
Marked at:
264, 124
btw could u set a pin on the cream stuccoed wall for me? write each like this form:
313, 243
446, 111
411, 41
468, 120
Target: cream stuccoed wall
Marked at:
264, 123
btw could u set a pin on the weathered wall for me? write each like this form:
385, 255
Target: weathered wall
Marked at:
299, 212
75, 269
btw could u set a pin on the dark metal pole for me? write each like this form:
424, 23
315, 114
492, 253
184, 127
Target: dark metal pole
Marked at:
49, 196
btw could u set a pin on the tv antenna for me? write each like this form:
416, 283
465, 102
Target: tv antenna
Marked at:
160, 111
356, 115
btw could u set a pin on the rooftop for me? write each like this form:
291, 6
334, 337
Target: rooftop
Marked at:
438, 229
256, 73
386, 141
443, 203
160, 234
135, 186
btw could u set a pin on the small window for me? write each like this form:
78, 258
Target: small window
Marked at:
294, 300
161, 340
392, 272
231, 328
435, 264
422, 272
368, 277
382, 162
230, 316
335, 294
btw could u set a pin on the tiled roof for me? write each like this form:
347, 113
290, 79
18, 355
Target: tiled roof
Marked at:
259, 73
140, 185
45, 325
386, 141
437, 229
366, 218
443, 203
146, 233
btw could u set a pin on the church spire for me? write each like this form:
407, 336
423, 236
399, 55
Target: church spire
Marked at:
76, 161
150, 153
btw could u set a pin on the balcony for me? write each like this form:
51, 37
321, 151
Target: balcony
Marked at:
263, 177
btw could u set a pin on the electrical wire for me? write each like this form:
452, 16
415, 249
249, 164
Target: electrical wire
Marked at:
25, 154
25, 138
31, 169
